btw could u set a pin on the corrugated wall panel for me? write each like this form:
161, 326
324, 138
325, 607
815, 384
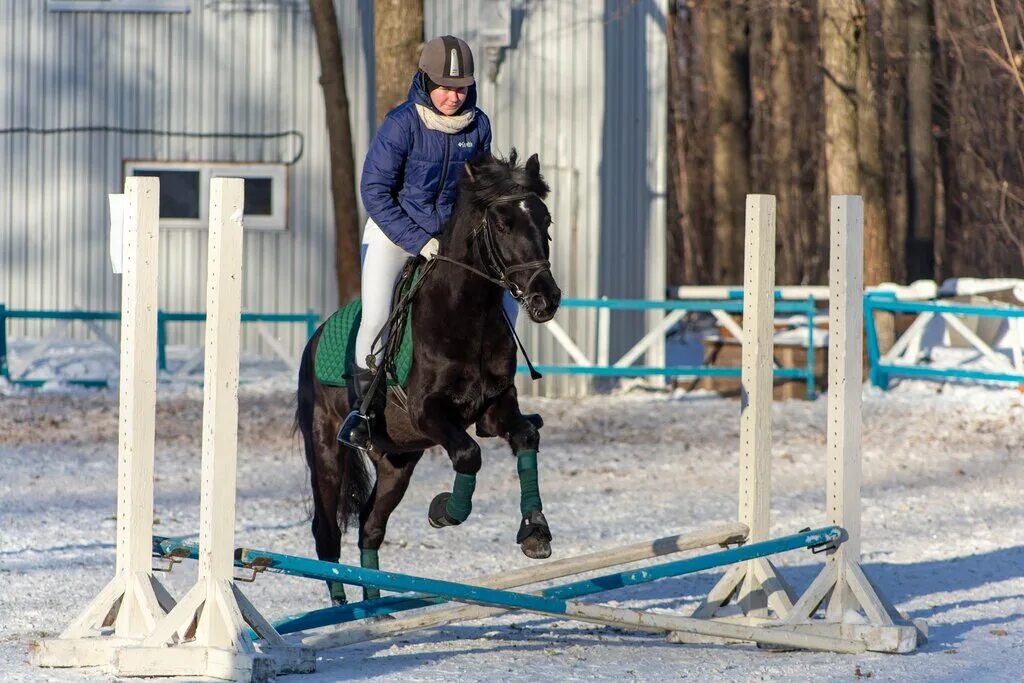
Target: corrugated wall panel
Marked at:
601, 149
214, 69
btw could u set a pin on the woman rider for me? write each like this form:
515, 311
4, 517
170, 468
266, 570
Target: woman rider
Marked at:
408, 187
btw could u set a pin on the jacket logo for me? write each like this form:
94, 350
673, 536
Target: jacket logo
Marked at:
465, 143
454, 69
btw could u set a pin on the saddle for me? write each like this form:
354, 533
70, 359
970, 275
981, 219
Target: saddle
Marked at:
337, 347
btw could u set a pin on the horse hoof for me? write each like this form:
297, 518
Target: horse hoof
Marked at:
534, 536
337, 591
536, 548
438, 513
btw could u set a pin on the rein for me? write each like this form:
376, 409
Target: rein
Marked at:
394, 327
503, 270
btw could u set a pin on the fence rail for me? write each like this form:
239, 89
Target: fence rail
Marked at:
905, 357
90, 318
903, 360
676, 309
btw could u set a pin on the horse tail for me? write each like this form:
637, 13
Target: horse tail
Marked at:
356, 482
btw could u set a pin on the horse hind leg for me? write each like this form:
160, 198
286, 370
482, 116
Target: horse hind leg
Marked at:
393, 475
340, 484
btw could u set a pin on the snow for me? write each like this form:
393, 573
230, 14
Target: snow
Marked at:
942, 532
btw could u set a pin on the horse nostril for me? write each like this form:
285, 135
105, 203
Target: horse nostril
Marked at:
538, 302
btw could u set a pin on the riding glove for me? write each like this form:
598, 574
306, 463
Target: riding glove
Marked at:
429, 249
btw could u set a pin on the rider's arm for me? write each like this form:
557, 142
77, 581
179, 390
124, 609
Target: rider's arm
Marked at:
379, 185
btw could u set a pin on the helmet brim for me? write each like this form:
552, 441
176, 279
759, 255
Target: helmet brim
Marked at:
448, 82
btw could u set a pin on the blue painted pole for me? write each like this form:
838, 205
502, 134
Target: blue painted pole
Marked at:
811, 310
949, 373
553, 604
4, 370
877, 376
389, 605
161, 341
551, 600
312, 320
672, 371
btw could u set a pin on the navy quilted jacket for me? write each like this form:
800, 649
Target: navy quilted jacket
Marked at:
410, 174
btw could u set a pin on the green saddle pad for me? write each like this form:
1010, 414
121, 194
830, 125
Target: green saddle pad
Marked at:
337, 348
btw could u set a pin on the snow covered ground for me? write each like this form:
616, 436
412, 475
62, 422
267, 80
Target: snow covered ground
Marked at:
942, 527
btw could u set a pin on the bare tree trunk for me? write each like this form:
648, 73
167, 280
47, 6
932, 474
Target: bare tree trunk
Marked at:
786, 168
730, 96
894, 130
339, 134
921, 141
839, 26
853, 139
698, 210
678, 240
397, 41
953, 218
872, 171
812, 221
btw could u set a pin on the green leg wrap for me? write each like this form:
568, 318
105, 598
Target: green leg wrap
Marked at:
337, 592
529, 491
368, 559
461, 503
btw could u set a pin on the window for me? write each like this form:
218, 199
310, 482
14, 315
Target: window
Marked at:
118, 5
185, 191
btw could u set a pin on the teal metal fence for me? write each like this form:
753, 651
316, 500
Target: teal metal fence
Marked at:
882, 369
310, 319
733, 305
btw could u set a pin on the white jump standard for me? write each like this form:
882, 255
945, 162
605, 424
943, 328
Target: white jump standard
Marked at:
127, 608
206, 633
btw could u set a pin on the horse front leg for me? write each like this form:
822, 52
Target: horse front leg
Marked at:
503, 418
438, 419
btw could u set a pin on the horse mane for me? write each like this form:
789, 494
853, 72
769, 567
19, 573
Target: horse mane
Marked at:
489, 178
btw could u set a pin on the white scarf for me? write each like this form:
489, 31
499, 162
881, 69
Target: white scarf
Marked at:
446, 124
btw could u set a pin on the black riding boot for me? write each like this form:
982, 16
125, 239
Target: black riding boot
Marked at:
355, 430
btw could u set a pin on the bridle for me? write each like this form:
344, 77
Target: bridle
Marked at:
495, 262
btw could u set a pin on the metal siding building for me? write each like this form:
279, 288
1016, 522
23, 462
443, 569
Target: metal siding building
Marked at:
582, 84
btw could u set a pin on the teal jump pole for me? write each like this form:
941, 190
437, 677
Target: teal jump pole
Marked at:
562, 607
390, 605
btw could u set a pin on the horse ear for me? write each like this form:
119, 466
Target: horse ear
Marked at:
533, 166
513, 157
469, 171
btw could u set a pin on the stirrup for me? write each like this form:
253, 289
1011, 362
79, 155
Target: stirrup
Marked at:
350, 433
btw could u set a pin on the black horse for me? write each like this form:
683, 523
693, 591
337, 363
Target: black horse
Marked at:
462, 374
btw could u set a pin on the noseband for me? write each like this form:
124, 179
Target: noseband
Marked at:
495, 262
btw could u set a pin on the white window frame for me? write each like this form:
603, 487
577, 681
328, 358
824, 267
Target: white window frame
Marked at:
119, 5
277, 221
